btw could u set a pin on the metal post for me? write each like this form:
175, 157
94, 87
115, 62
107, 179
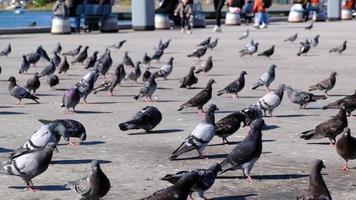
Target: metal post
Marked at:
143, 12
334, 10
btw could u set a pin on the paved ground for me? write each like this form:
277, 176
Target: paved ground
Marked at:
136, 161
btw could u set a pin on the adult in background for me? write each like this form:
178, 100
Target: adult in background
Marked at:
260, 10
218, 5
235, 6
72, 6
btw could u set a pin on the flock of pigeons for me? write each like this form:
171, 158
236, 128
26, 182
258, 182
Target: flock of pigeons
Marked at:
34, 156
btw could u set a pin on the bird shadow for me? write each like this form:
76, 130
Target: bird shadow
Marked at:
319, 143
91, 112
268, 177
43, 187
268, 140
218, 75
85, 143
76, 161
311, 108
294, 115
337, 95
164, 88
166, 101
61, 89
239, 197
195, 88
221, 144
123, 95
215, 156
249, 97
270, 127
5, 150
162, 131
6, 106
224, 111
47, 95
11, 113
104, 102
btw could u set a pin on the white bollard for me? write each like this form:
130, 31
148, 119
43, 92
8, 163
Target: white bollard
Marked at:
161, 21
346, 14
109, 24
232, 19
296, 13
60, 25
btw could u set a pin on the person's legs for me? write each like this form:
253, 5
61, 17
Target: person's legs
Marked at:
77, 23
182, 23
257, 19
218, 5
264, 20
188, 25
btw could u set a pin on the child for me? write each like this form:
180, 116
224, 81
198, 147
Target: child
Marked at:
259, 8
185, 11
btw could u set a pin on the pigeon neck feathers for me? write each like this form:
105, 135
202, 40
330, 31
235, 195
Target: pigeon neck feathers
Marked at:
209, 118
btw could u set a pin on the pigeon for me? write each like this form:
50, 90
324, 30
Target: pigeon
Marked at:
49, 70
33, 83
200, 99
149, 87
19, 92
119, 75
57, 49
157, 55
74, 129
198, 52
251, 113
201, 135
268, 53
339, 49
247, 152
91, 60
127, 60
309, 27
330, 128
93, 187
244, 34
86, 85
52, 80
25, 65
346, 147
43, 53
206, 66
146, 74
315, 41
146, 119
64, 66
326, 84
179, 191
349, 102
189, 80
292, 38
6, 51
71, 99
228, 125
104, 64
56, 60
271, 100
205, 42
146, 60
302, 98
135, 73
166, 69
266, 79
30, 164
235, 86
159, 45
82, 56
166, 44
34, 57
249, 50
213, 44
118, 45
205, 181
304, 48
74, 52
317, 187
51, 132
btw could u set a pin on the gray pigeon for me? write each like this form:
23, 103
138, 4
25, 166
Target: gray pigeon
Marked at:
43, 53
52, 80
267, 78
64, 66
119, 75
104, 64
166, 44
93, 187
198, 52
206, 66
146, 60
33, 83
146, 74
301, 98
213, 44
56, 59
251, 113
329, 129
118, 45
157, 55
25, 65
146, 119
30, 164
304, 48
235, 86
19, 92
315, 41
200, 99
271, 100
189, 80
205, 181
339, 49
71, 99
228, 125
49, 70
45, 134
6, 51
74, 129
205, 42
86, 85
91, 60
326, 84
349, 102
135, 73
74, 52
250, 50
34, 57
309, 27
127, 61
179, 191
57, 49
317, 187
148, 88
292, 38
247, 152
201, 135
268, 53
244, 34
82, 56
166, 69
346, 147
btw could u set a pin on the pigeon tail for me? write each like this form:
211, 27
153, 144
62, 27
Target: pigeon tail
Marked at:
256, 85
129, 125
183, 148
221, 92
45, 122
136, 97
318, 97
306, 135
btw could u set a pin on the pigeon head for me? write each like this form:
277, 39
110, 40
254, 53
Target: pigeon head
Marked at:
271, 68
126, 53
192, 68
80, 46
12, 79
36, 74
256, 44
243, 73
317, 165
138, 63
257, 124
24, 57
96, 53
171, 59
347, 131
211, 81
212, 108
86, 48
345, 41
333, 74
95, 165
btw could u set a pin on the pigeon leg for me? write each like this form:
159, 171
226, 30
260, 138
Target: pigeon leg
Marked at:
268, 89
30, 187
332, 142
346, 166
225, 141
190, 196
111, 94
201, 111
248, 178
74, 143
201, 156
201, 195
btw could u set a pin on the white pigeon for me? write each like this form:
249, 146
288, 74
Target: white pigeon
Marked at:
245, 34
166, 69
201, 135
271, 100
